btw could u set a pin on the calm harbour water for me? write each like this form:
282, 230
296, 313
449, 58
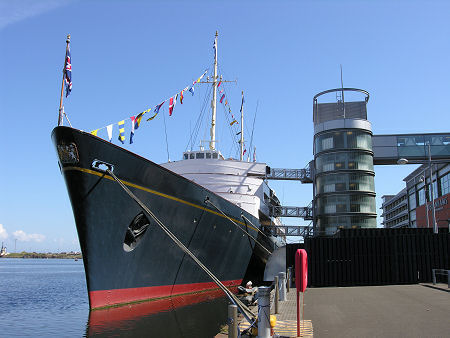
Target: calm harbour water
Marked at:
48, 298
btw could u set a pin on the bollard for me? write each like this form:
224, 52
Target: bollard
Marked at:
448, 278
264, 312
289, 278
434, 276
232, 321
277, 294
282, 286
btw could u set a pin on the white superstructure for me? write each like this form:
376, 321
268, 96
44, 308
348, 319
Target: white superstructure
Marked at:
239, 182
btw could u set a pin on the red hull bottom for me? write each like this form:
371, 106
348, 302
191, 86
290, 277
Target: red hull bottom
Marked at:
106, 298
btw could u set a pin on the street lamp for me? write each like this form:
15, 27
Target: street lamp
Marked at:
433, 216
422, 179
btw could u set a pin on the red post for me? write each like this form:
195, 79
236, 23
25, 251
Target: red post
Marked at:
301, 279
298, 314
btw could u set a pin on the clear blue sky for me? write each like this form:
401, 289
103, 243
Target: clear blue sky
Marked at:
128, 56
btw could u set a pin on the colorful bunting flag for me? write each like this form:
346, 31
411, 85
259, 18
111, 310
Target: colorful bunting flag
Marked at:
220, 82
233, 122
137, 120
226, 102
171, 106
242, 103
156, 111
68, 72
133, 122
221, 99
221, 91
121, 137
109, 131
175, 100
245, 150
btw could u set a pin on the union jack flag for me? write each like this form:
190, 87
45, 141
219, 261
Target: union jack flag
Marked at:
68, 73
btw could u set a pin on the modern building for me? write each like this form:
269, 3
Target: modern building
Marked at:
421, 195
412, 207
343, 179
395, 210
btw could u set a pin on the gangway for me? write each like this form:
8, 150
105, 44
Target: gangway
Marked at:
302, 175
286, 211
416, 148
291, 230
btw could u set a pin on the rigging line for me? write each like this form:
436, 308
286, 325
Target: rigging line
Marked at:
202, 117
253, 127
231, 131
196, 128
256, 241
244, 309
262, 233
167, 142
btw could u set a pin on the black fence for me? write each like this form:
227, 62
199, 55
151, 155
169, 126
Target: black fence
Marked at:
374, 257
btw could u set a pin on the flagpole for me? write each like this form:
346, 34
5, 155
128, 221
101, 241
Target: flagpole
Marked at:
242, 127
60, 115
212, 143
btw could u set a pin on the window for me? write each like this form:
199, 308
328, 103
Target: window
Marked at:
327, 143
200, 155
214, 155
191, 156
435, 191
412, 201
421, 195
208, 155
445, 184
186, 156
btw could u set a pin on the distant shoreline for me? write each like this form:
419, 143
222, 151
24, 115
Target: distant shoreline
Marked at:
61, 255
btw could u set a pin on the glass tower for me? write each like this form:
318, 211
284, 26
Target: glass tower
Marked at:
344, 191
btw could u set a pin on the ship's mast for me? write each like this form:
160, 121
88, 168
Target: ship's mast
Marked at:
212, 143
242, 127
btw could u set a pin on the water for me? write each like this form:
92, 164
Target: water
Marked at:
48, 298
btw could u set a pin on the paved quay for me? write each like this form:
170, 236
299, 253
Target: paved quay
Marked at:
418, 310
286, 325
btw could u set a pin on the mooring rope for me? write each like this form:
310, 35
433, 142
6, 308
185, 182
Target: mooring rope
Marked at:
243, 308
262, 233
256, 241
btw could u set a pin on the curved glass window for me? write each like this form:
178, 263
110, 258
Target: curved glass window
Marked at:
345, 203
328, 225
343, 139
344, 160
344, 182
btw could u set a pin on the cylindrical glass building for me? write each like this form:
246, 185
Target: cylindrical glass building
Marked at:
344, 191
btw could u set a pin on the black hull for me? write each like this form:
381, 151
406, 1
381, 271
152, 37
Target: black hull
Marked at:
156, 267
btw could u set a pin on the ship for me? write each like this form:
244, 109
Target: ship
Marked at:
3, 251
216, 207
